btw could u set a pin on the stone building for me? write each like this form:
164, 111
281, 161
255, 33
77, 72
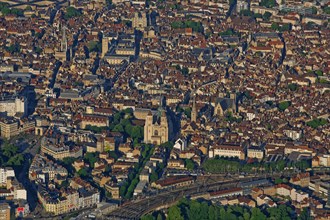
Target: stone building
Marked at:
140, 21
223, 105
157, 128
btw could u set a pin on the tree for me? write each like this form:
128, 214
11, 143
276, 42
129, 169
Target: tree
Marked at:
257, 15
284, 105
72, 12
195, 26
187, 112
83, 173
38, 50
147, 217
246, 12
8, 149
174, 213
293, 86
122, 190
16, 160
65, 184
118, 128
246, 216
317, 122
190, 165
153, 177
185, 71
314, 10
319, 72
280, 212
213, 214
275, 26
137, 132
305, 215
94, 46
256, 214
278, 181
327, 10
268, 3
90, 158
228, 32
14, 48
128, 111
266, 16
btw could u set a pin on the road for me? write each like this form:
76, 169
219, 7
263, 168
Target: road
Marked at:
29, 146
137, 208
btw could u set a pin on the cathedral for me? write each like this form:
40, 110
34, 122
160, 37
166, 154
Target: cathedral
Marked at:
157, 128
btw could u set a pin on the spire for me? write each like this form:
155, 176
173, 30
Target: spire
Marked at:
194, 111
64, 42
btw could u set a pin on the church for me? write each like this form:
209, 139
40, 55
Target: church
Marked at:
157, 128
223, 104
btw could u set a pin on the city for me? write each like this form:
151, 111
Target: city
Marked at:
154, 109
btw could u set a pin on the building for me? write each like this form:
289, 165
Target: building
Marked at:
10, 127
157, 128
226, 192
255, 152
4, 211
180, 144
194, 111
65, 200
12, 106
223, 105
45, 170
178, 181
94, 120
227, 151
140, 21
113, 189
61, 53
242, 5
4, 174
139, 189
301, 179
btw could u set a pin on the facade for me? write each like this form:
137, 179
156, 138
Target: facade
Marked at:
226, 192
242, 5
60, 152
140, 21
77, 196
44, 169
173, 182
157, 128
254, 152
223, 105
10, 127
4, 174
14, 106
4, 211
94, 120
227, 151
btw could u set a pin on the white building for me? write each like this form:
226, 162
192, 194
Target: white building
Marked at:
20, 194
180, 144
242, 5
294, 134
5, 173
13, 106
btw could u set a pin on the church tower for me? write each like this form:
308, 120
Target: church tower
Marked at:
194, 111
157, 127
64, 41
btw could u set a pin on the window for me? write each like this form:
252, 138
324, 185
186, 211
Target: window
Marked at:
156, 132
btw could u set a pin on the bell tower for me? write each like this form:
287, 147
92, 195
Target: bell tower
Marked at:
194, 111
64, 41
